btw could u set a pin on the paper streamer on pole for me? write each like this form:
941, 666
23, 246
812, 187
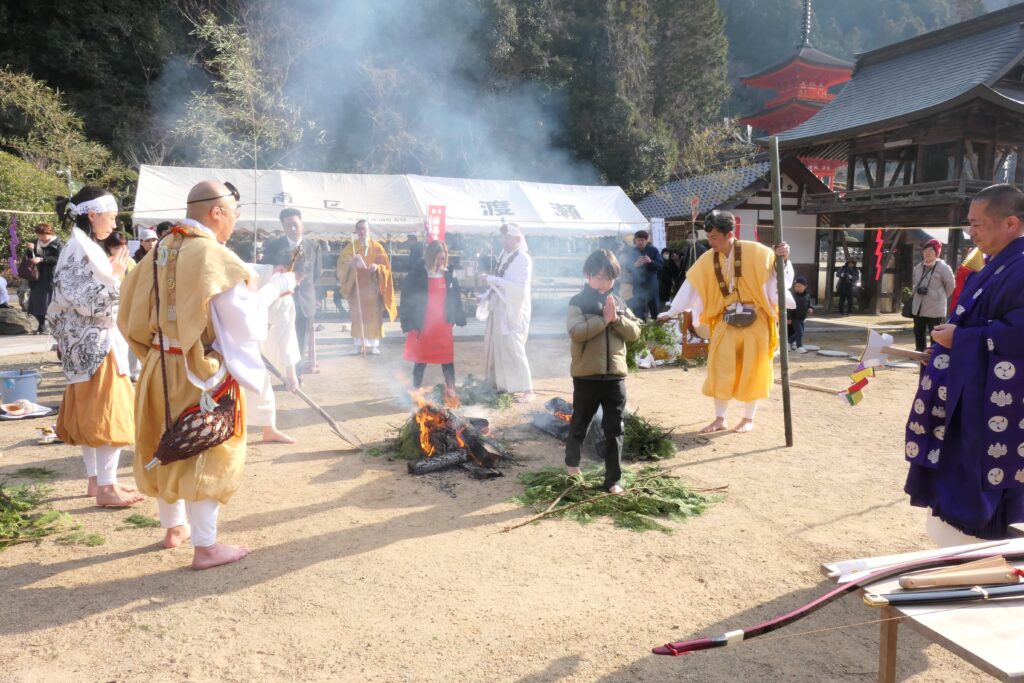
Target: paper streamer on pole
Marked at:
12, 260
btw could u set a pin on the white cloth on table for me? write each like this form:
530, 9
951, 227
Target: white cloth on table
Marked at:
200, 514
508, 323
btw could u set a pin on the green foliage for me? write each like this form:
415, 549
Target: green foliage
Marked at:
81, 538
245, 118
34, 473
643, 440
137, 521
18, 521
651, 497
652, 333
406, 446
37, 125
476, 391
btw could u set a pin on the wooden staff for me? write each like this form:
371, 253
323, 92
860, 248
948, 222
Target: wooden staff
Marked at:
812, 387
780, 276
343, 432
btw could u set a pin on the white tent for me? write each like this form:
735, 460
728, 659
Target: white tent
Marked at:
332, 202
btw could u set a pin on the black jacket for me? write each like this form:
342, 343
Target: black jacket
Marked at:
412, 306
803, 304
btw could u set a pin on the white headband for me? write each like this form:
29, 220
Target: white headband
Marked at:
512, 230
99, 205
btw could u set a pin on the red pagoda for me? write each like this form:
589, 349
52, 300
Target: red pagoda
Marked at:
801, 83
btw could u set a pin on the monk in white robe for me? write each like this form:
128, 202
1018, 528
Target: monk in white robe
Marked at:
281, 349
739, 358
507, 307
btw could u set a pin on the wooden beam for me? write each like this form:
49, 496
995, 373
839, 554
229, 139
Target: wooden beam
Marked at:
867, 171
851, 171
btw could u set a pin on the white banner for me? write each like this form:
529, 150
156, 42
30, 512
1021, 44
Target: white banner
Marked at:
658, 238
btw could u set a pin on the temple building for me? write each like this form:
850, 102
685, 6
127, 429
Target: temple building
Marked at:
921, 126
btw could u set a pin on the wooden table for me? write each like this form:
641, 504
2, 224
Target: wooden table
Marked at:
988, 635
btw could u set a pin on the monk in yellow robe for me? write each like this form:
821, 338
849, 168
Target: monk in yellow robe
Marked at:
212, 321
742, 285
364, 278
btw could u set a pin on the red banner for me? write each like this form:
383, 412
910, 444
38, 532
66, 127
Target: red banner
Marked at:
435, 222
739, 226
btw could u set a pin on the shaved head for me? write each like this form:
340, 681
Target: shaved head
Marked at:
213, 204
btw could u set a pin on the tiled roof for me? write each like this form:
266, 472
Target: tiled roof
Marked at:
917, 76
672, 200
806, 53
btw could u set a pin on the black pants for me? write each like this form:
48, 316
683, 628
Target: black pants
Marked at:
301, 328
587, 395
922, 330
447, 369
846, 301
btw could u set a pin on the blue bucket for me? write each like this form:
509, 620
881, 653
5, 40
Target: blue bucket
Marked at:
19, 384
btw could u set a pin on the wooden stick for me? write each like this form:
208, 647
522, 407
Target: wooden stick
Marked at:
812, 387
342, 432
780, 276
905, 353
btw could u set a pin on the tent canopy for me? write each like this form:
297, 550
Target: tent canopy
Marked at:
331, 203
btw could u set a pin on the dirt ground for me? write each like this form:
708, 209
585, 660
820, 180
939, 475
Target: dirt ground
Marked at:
363, 573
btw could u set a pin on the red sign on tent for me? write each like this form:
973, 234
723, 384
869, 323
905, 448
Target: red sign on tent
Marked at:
435, 222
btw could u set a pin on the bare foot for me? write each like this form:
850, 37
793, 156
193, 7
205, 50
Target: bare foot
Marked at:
717, 426
92, 488
176, 536
113, 496
744, 426
218, 554
273, 435
572, 471
617, 490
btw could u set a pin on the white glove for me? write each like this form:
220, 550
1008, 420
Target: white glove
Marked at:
280, 283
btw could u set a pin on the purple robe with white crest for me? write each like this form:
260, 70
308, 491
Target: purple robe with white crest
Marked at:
965, 433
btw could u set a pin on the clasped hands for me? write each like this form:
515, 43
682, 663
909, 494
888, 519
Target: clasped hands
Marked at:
360, 264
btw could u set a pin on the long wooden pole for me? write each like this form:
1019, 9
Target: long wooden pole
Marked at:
780, 276
344, 433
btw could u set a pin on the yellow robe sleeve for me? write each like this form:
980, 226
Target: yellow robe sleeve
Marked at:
385, 281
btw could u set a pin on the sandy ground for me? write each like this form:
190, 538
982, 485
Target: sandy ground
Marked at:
364, 573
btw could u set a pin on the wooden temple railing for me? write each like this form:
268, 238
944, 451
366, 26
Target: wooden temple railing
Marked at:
919, 194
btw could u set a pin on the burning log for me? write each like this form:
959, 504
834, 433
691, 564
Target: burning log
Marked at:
555, 422
441, 439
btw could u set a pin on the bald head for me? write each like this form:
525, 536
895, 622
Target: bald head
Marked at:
213, 204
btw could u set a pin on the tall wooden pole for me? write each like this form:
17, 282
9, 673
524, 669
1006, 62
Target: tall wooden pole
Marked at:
780, 276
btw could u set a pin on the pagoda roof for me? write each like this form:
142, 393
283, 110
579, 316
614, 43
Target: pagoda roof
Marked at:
807, 55
922, 76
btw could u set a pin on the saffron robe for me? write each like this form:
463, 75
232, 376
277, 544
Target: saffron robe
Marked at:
965, 432
508, 322
739, 358
204, 270
375, 290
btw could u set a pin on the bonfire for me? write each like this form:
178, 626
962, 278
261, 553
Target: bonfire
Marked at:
436, 438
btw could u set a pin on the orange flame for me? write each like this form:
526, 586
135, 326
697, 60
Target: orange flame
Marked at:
565, 417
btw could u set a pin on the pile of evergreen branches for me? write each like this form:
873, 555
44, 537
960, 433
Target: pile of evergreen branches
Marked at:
652, 496
19, 523
643, 440
476, 391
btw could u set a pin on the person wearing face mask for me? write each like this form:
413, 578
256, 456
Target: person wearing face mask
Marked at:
98, 409
934, 283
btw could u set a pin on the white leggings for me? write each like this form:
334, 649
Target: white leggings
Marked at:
370, 343
201, 514
749, 408
101, 462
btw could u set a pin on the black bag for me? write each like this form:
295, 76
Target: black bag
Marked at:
743, 318
908, 308
27, 270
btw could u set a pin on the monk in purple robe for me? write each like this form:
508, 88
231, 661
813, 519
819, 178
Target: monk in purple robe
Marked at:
965, 433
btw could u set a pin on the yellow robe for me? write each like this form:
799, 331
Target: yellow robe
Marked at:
204, 269
739, 358
376, 289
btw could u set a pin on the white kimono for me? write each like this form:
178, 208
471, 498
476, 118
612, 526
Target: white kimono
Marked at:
508, 322
281, 348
